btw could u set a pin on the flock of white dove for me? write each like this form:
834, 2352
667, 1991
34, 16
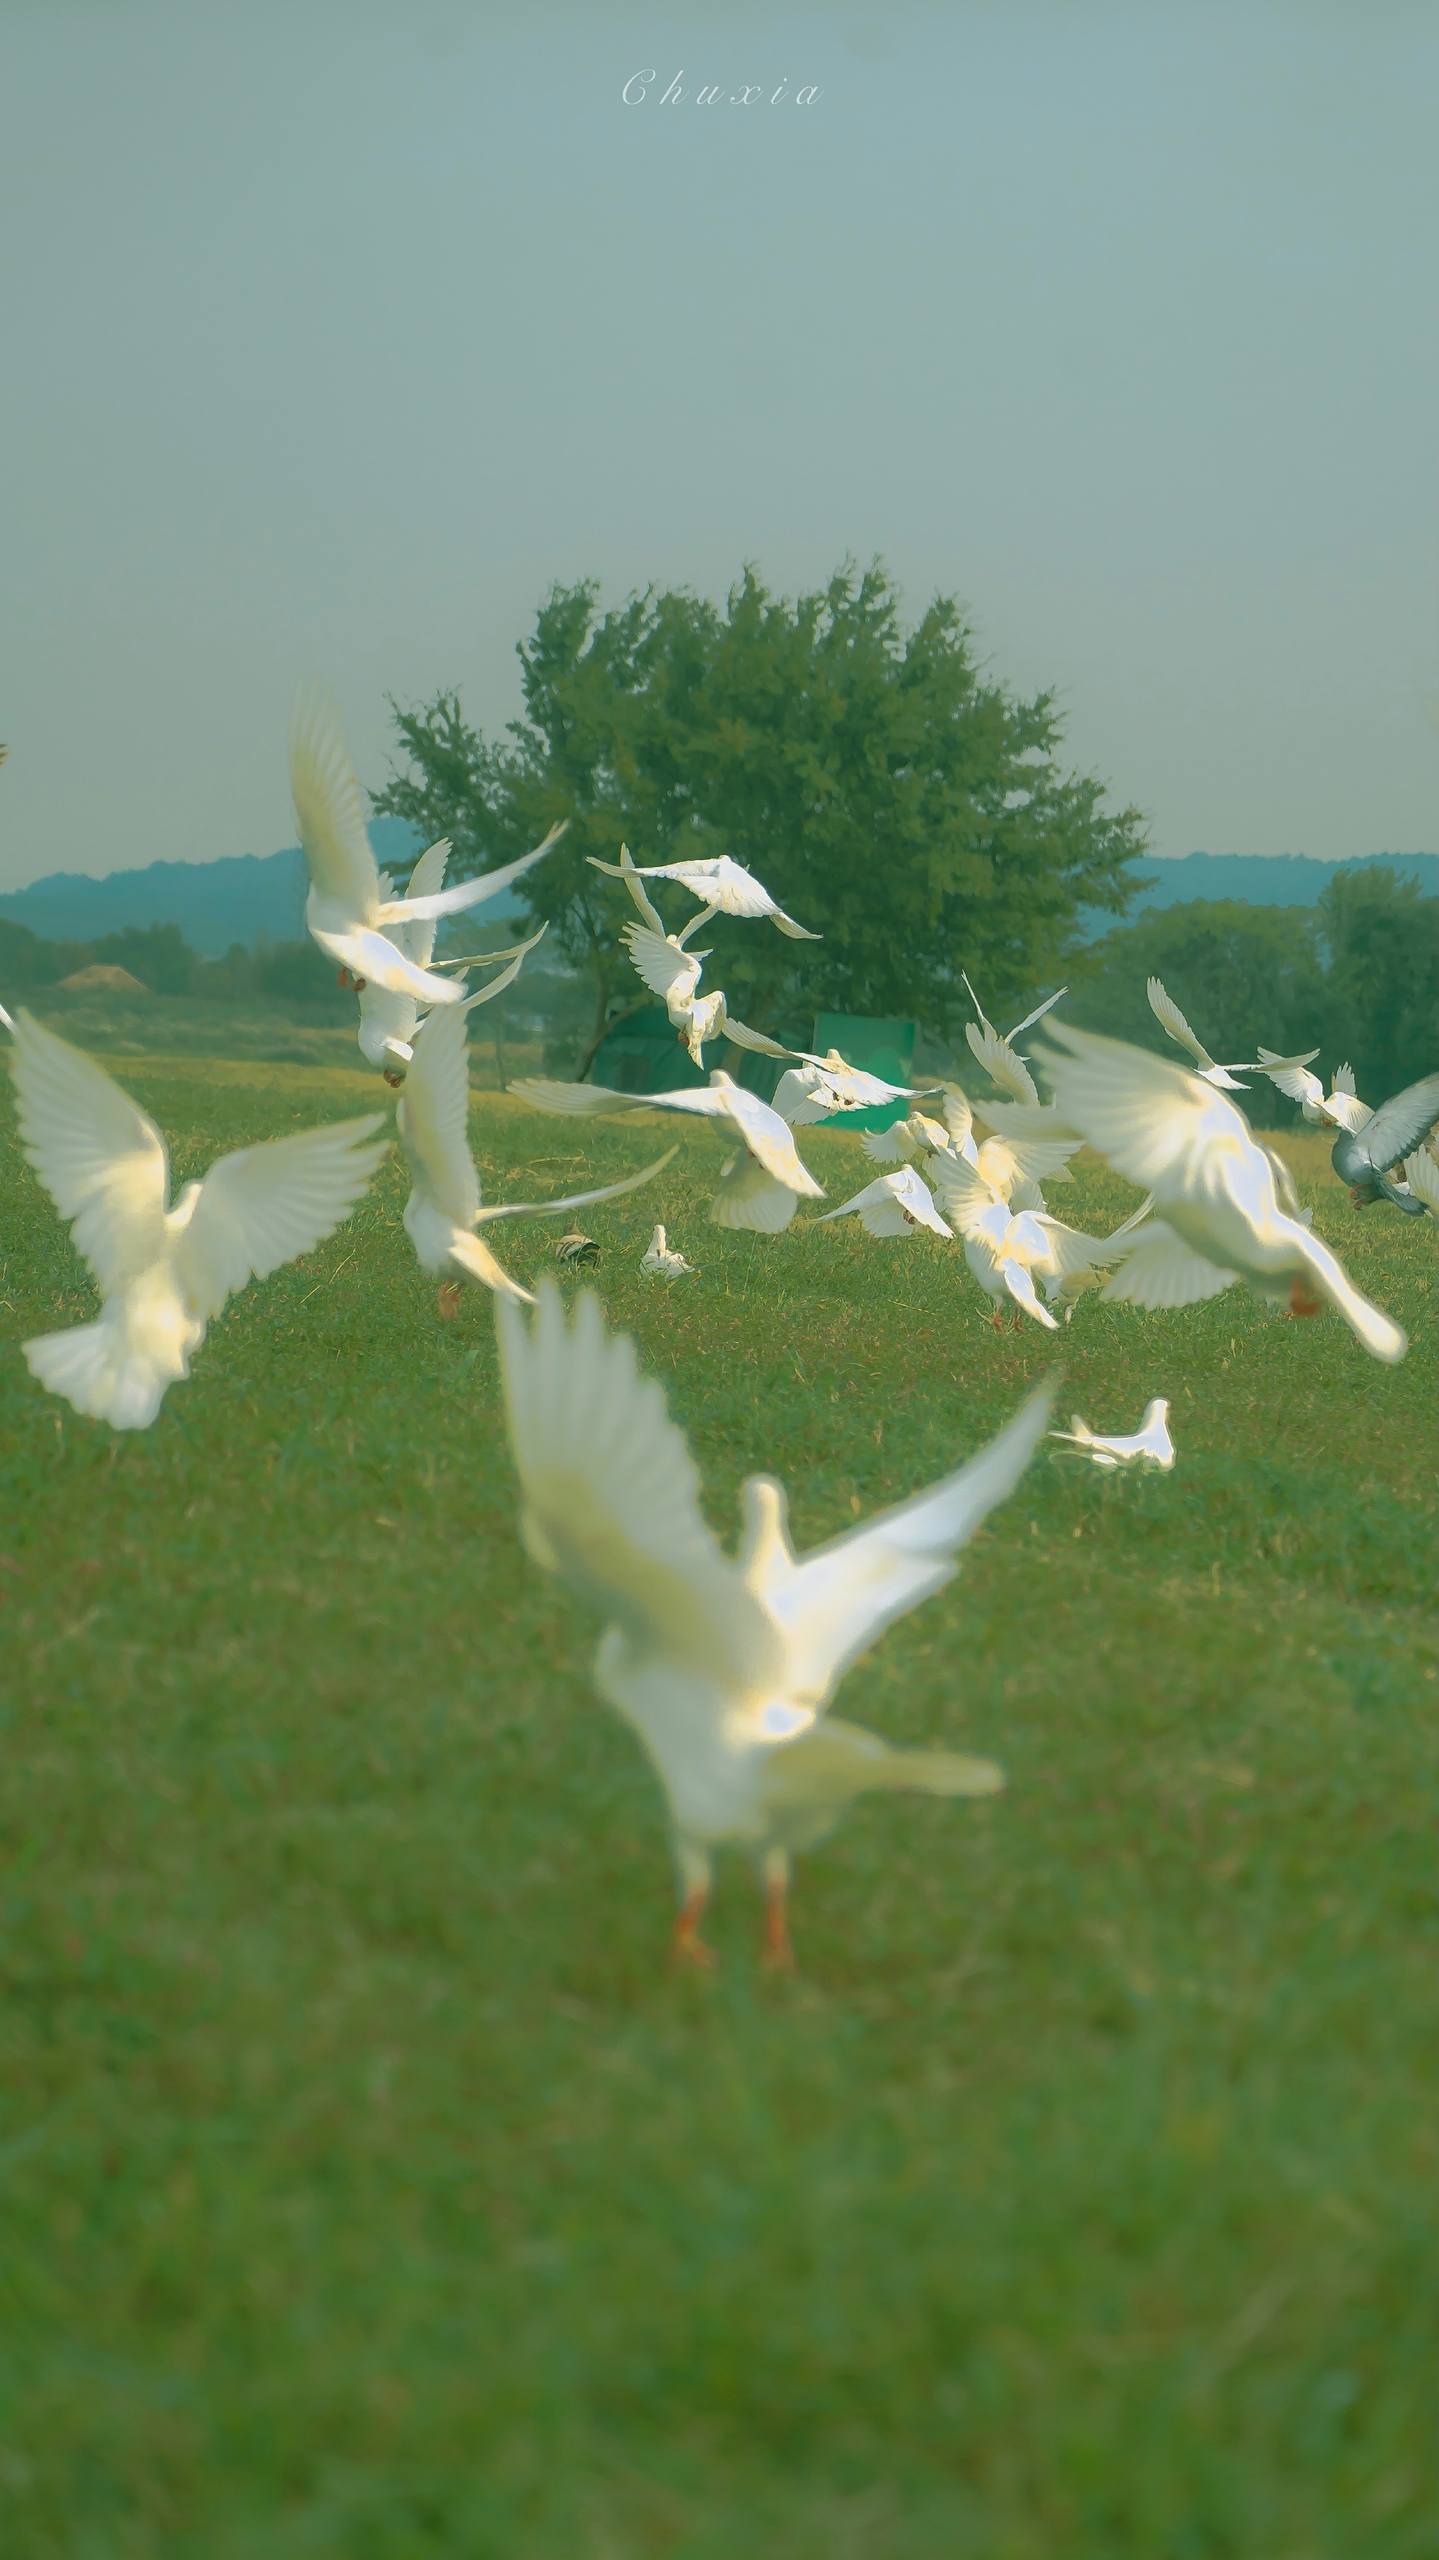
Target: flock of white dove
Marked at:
723, 1666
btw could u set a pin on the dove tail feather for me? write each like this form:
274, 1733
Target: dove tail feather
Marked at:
101, 1373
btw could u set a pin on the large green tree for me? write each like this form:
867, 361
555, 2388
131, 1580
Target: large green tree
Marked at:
892, 796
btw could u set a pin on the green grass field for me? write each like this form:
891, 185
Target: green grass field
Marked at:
371, 2188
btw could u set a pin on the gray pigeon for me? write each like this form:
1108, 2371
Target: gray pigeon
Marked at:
1365, 1157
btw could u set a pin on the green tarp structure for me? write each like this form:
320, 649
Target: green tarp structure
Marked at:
644, 1054
880, 1043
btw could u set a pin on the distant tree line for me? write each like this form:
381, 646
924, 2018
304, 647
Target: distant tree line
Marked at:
1357, 974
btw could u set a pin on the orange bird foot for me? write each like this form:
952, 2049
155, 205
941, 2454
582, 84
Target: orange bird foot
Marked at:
450, 1300
392, 1079
1302, 1302
688, 1951
777, 1955
997, 1320
344, 977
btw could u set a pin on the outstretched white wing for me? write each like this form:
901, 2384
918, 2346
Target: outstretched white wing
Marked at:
769, 1139
330, 810
893, 1206
417, 938
1001, 1062
1147, 1116
834, 1602
1161, 1270
1167, 1014
433, 1115
665, 970
625, 869
579, 1199
1296, 1082
469, 893
611, 1495
101, 1159
265, 1205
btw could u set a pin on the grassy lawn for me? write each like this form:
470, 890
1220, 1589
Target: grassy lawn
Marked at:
369, 2186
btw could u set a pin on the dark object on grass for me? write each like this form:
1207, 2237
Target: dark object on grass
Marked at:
577, 1248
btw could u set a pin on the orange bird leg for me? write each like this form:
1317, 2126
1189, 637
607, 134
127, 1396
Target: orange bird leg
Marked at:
778, 1945
687, 1947
1302, 1301
450, 1300
343, 976
997, 1319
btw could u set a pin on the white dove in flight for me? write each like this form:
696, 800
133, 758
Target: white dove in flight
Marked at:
1167, 1014
758, 1189
995, 1050
1218, 1215
724, 1667
444, 1209
390, 1016
723, 888
346, 913
1340, 1108
163, 1272
1149, 1446
896, 1205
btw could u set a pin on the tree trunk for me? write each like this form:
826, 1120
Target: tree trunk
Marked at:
604, 1022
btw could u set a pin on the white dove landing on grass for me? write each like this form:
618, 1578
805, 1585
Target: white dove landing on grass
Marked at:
1149, 1446
346, 911
444, 1208
1217, 1217
724, 1667
163, 1273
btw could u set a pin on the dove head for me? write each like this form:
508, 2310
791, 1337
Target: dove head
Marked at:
764, 1542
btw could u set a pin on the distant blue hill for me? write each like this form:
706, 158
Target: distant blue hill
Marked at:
1264, 879
251, 898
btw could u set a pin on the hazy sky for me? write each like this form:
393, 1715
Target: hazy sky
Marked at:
334, 332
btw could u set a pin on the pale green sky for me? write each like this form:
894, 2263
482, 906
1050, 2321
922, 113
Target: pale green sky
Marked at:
335, 331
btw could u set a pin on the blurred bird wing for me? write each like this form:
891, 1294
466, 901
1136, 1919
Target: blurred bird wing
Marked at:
579, 1199
1344, 1079
1402, 1123
634, 879
469, 893
1019, 1281
330, 810
1001, 1062
1039, 1013
503, 978
801, 1097
417, 938
760, 1041
433, 1115
726, 886
1422, 1175
1347, 1111
1167, 1014
958, 1116
665, 970
374, 959
611, 1495
1069, 1248
265, 1205
965, 1196
891, 1206
832, 1603
749, 1198
1161, 1270
769, 1139
102, 1160
1149, 1117
1042, 1159
1296, 1082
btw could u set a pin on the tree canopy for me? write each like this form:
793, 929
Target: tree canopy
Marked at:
888, 792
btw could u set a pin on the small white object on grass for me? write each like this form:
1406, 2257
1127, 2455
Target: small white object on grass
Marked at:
1149, 1446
